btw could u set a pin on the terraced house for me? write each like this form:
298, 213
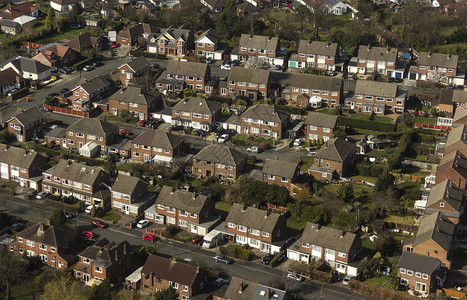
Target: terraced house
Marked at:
448, 199
251, 83
220, 161
265, 47
135, 101
374, 59
377, 97
265, 121
172, 41
85, 183
457, 140
130, 195
87, 130
156, 146
180, 75
315, 54
320, 127
195, 112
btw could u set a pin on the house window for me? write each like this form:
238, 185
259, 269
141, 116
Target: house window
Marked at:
265, 234
98, 269
418, 274
306, 245
402, 271
327, 130
284, 179
20, 240
185, 288
425, 276
421, 287
441, 204
43, 247
173, 284
30, 243
52, 249
241, 228
86, 260
313, 127
160, 206
271, 177
231, 225
254, 231
409, 272
342, 254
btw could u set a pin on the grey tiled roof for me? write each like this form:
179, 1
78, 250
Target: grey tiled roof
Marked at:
419, 263
249, 75
435, 227
93, 126
327, 237
20, 158
317, 48
187, 68
138, 64
457, 134
51, 236
266, 112
182, 200
135, 94
253, 218
96, 84
26, 65
336, 149
448, 192
75, 171
280, 168
258, 42
198, 105
127, 184
375, 88
158, 138
221, 154
316, 82
438, 60
322, 120
377, 53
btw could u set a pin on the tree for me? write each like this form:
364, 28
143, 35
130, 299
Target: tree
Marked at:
50, 19
345, 220
167, 294
228, 21
103, 291
345, 192
384, 181
301, 197
12, 270
93, 211
63, 287
57, 218
385, 243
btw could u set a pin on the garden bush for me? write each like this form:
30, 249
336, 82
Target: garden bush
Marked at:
172, 230
365, 124
242, 253
275, 261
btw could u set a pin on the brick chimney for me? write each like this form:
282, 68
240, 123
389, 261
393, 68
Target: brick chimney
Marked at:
49, 222
241, 287
41, 227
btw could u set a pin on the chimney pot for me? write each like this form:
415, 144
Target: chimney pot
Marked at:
41, 227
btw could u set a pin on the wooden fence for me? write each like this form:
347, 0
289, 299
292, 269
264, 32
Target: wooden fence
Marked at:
67, 111
432, 127
277, 207
31, 45
451, 293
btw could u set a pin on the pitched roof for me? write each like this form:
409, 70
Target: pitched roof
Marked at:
321, 120
258, 42
127, 184
316, 82
418, 263
75, 171
198, 105
457, 134
136, 94
105, 253
13, 11
242, 289
445, 96
135, 31
221, 154
7, 77
211, 34
138, 64
158, 138
93, 126
48, 235
170, 269
327, 237
252, 217
182, 200
376, 88
459, 96
435, 227
187, 68
438, 60
448, 192
176, 33
83, 40
336, 149
377, 53
249, 75
27, 117
96, 84
455, 161
267, 113
279, 168
26, 64
317, 48
10, 23
20, 157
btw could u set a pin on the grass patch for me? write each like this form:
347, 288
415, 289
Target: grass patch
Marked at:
111, 216
242, 139
222, 207
408, 220
68, 35
307, 162
367, 243
399, 236
380, 153
422, 120
366, 117
294, 226
364, 178
367, 132
154, 189
182, 236
379, 280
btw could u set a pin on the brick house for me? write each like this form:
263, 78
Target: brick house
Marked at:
101, 261
257, 228
448, 199
265, 47
453, 166
13, 11
437, 67
375, 59
420, 273
457, 140
335, 156
265, 121
135, 101
209, 44
307, 90
83, 182
26, 125
280, 172
187, 210
320, 127
134, 71
27, 68
130, 35
21, 165
172, 41
335, 247
56, 55
180, 75
94, 90
251, 83
156, 146
86, 41
130, 195
240, 288
435, 237
160, 273
51, 244
460, 117
87, 130
377, 97
445, 102
315, 54
10, 80
196, 112
220, 161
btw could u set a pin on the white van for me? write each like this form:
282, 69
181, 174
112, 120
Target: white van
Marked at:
212, 239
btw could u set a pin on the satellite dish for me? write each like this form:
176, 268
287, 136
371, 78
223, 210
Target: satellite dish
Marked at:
407, 55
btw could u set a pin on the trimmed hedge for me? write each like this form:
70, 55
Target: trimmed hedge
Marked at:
275, 261
321, 276
377, 291
365, 124
20, 92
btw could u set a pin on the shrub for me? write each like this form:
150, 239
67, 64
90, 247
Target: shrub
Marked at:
242, 253
79, 65
172, 230
275, 261
57, 218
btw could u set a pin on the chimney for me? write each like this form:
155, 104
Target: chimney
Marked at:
342, 233
266, 213
309, 43
41, 227
429, 54
49, 222
241, 287
243, 208
369, 47
122, 89
449, 55
277, 158
327, 45
318, 227
387, 50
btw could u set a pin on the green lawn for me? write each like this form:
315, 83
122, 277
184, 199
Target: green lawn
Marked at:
400, 236
380, 153
111, 216
307, 162
379, 280
366, 117
69, 34
426, 146
294, 226
400, 219
425, 120
367, 243
182, 236
365, 178
223, 207
367, 132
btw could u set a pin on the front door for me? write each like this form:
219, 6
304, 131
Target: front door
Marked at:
126, 209
85, 277
194, 228
208, 173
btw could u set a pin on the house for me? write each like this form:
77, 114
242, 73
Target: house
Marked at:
87, 130
251, 83
130, 195
180, 75
314, 91
160, 273
445, 102
10, 80
280, 172
315, 54
335, 247
242, 289
209, 43
63, 5
189, 211
134, 100
260, 229
156, 146
51, 244
172, 41
375, 59
85, 41
420, 273
320, 127
457, 140
134, 71
434, 238
55, 55
459, 97
377, 97
26, 125
21, 165
130, 35
94, 90
13, 11
219, 161
195, 112
453, 166
93, 22
435, 67
388, 38
448, 199
335, 156
265, 121
265, 47
101, 261
215, 6
10, 27
27, 68
83, 182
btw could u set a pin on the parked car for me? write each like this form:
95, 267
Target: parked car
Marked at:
67, 70
97, 64
88, 233
124, 131
67, 215
149, 237
142, 224
197, 239
115, 45
200, 132
267, 259
209, 60
218, 131
335, 277
52, 127
51, 95
156, 66
223, 138
89, 209
330, 73
221, 258
177, 128
297, 142
295, 277
16, 227
61, 71
32, 195
218, 282
142, 123
225, 67
98, 223
63, 91
235, 63
347, 279
42, 195
231, 132
313, 152
88, 68
277, 67
253, 149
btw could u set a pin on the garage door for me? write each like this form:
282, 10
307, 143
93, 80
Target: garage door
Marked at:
398, 75
292, 64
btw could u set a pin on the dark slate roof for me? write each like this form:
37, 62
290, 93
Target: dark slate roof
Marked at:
187, 68
138, 64
93, 126
211, 34
7, 77
50, 235
419, 263
105, 253
20, 157
27, 117
438, 60
280, 168
267, 113
448, 192
75, 171
316, 82
249, 75
242, 289
158, 138
336, 149
26, 65
322, 120
176, 33
221, 154
182, 200
127, 184
10, 23
317, 48
435, 227
136, 94
377, 53
198, 105
83, 40
96, 84
327, 237
375, 88
446, 96
252, 217
258, 42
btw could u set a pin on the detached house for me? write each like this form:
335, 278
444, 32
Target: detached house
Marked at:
251, 83
374, 59
103, 260
335, 157
189, 211
257, 228
135, 101
85, 40
220, 161
453, 166
377, 97
320, 127
13, 11
172, 41
265, 121
55, 55
280, 172
134, 71
156, 146
265, 47
437, 67
315, 54
335, 247
448, 199
87, 130
63, 5
195, 112
209, 44
93, 90
27, 68
180, 75
26, 125
457, 140
130, 195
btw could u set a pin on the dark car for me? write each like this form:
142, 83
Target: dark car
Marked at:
16, 227
156, 66
458, 283
235, 63
197, 239
63, 91
177, 128
61, 71
335, 277
97, 63
223, 259
67, 70
200, 132
218, 131
51, 95
267, 259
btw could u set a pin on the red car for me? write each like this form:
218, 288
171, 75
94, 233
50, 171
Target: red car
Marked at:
89, 234
124, 131
98, 223
142, 123
149, 237
114, 45
196, 239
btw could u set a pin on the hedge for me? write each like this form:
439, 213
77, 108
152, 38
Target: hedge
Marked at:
20, 92
377, 291
275, 261
370, 170
365, 124
79, 65
321, 276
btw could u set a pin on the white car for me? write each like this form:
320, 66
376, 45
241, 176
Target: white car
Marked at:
223, 138
253, 149
142, 224
225, 67
89, 209
295, 277
42, 195
347, 279
88, 68
297, 142
53, 127
313, 152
